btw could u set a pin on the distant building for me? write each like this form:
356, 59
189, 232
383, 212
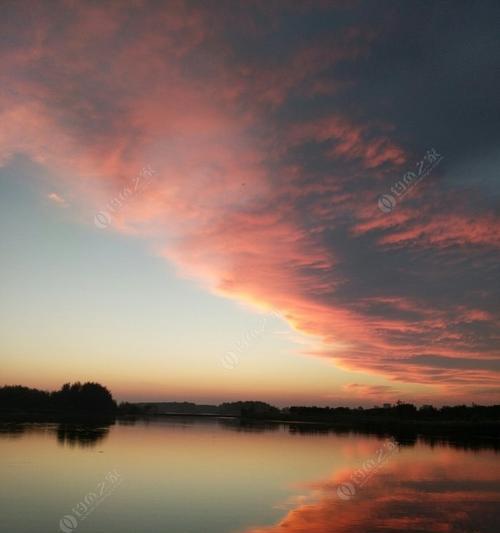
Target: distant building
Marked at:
387, 405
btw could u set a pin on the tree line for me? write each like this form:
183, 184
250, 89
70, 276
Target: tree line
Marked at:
94, 398
399, 411
77, 397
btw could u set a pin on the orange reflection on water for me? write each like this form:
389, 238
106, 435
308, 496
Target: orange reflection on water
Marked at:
222, 476
416, 489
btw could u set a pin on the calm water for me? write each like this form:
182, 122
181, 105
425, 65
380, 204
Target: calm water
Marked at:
214, 476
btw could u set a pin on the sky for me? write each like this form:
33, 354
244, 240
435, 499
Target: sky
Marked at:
297, 202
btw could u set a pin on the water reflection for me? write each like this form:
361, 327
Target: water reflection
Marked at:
244, 477
245, 426
12, 430
417, 491
88, 432
83, 434
406, 437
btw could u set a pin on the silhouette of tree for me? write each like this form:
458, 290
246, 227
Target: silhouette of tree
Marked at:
91, 398
24, 398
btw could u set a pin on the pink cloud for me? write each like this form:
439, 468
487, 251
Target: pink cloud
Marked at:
95, 102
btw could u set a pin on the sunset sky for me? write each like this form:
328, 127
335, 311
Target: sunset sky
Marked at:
296, 202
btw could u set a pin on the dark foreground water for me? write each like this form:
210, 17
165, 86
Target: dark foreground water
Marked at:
189, 475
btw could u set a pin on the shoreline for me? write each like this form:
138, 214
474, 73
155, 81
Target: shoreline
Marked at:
468, 428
